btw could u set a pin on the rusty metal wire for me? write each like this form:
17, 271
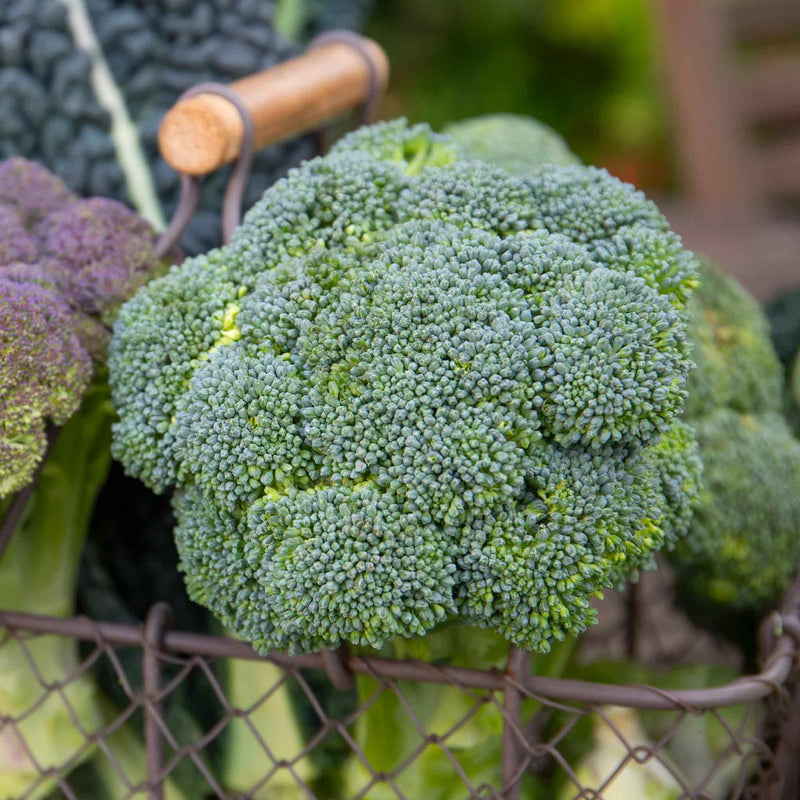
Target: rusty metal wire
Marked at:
234, 191
754, 719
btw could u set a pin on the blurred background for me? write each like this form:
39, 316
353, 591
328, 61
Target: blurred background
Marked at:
587, 69
697, 102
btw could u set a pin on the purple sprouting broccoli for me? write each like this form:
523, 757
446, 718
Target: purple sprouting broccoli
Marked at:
45, 371
66, 265
99, 252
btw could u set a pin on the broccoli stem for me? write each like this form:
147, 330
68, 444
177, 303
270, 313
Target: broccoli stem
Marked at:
470, 729
40, 566
272, 724
38, 572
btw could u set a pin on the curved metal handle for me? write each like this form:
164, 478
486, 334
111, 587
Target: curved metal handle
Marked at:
339, 71
214, 123
234, 192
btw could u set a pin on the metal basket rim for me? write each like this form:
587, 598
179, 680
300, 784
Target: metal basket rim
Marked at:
778, 664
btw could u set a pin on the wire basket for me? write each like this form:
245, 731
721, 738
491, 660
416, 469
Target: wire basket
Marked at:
643, 731
754, 718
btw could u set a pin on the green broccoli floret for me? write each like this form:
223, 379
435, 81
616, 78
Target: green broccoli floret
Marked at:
740, 551
737, 366
516, 143
743, 544
677, 466
412, 388
413, 147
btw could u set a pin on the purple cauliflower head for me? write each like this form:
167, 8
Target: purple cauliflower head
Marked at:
66, 265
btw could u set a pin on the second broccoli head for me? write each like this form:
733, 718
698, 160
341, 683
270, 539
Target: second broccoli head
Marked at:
516, 143
742, 547
415, 387
737, 367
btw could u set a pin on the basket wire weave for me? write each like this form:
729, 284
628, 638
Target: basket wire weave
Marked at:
759, 744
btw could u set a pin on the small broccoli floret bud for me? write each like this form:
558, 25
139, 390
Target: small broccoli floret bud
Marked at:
160, 337
336, 202
520, 145
656, 256
610, 355
737, 367
743, 546
410, 389
588, 205
239, 426
525, 568
221, 554
472, 195
676, 463
351, 563
587, 519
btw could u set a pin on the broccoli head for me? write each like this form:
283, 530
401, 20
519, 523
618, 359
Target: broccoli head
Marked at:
415, 387
740, 552
743, 545
65, 266
737, 366
518, 144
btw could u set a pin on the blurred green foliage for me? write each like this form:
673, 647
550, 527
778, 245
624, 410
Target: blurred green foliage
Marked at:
587, 68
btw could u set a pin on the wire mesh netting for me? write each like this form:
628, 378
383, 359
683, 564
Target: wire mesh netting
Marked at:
370, 727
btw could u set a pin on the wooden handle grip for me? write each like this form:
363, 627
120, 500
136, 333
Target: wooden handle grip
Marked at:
199, 135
